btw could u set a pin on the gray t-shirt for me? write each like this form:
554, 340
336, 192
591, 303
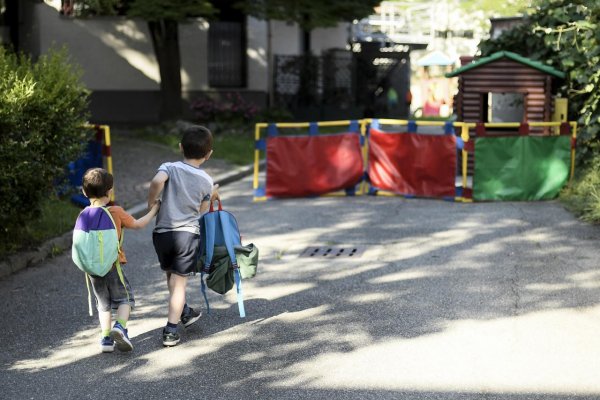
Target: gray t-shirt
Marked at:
185, 189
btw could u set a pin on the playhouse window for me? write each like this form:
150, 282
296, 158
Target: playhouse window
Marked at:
505, 107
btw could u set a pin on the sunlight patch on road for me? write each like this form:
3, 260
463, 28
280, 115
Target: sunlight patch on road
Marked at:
369, 298
418, 246
351, 269
587, 279
549, 287
553, 352
273, 292
68, 352
179, 360
404, 276
297, 316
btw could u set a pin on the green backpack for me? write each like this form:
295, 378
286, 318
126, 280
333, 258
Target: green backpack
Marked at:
220, 278
96, 245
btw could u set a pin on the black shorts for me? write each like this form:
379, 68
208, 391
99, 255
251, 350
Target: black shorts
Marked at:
177, 251
110, 292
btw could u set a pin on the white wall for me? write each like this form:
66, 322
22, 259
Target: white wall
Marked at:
257, 49
286, 38
193, 45
116, 53
329, 38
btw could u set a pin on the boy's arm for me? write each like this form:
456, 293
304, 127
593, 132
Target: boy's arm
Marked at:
205, 205
142, 222
156, 186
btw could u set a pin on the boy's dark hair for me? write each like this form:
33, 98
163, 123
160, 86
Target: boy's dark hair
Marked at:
196, 142
97, 182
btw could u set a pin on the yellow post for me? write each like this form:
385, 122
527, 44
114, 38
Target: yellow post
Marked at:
560, 112
109, 163
256, 156
464, 135
365, 153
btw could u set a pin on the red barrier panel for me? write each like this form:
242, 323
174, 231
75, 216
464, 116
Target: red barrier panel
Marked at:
312, 165
413, 164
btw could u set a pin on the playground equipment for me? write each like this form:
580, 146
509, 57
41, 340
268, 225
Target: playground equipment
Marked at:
97, 155
416, 159
521, 166
312, 164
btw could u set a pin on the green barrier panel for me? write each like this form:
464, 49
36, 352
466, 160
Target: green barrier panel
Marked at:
521, 167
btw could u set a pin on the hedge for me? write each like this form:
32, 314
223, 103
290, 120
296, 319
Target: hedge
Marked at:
43, 107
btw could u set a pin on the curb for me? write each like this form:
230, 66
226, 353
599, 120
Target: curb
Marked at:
56, 246
48, 249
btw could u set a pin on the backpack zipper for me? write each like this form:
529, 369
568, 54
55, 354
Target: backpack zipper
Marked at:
101, 242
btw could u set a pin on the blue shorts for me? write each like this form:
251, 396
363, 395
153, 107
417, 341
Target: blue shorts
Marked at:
110, 292
177, 251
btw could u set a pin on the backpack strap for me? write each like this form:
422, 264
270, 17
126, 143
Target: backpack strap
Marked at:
87, 283
117, 265
208, 238
230, 241
119, 245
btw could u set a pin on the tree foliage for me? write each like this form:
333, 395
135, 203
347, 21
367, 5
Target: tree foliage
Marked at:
43, 107
169, 10
310, 14
495, 8
565, 35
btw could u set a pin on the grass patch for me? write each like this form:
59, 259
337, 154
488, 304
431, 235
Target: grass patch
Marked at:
57, 217
582, 196
235, 148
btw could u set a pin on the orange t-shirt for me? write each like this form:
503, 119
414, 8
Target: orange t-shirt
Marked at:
122, 220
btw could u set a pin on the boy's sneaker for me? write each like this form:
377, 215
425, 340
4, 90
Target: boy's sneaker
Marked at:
107, 345
170, 338
119, 335
189, 316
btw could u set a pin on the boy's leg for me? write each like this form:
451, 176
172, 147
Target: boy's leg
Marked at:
188, 315
123, 313
105, 321
119, 332
107, 344
102, 294
177, 285
123, 300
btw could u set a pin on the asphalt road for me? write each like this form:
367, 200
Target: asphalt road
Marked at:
446, 301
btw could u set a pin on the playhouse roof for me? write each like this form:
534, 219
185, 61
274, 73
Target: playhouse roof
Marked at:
435, 58
507, 54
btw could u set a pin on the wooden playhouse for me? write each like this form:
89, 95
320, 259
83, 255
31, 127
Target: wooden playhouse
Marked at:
507, 87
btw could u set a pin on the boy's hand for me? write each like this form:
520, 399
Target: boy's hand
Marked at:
215, 193
155, 207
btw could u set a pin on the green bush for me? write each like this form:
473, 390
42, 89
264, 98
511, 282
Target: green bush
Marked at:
582, 197
43, 107
565, 35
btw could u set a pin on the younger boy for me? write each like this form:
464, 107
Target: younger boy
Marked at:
108, 289
186, 193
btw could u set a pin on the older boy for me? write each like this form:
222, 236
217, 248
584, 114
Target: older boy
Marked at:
186, 193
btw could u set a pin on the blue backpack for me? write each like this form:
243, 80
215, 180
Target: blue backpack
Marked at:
220, 228
96, 245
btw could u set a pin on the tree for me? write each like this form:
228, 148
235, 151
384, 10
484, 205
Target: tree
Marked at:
308, 14
163, 17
